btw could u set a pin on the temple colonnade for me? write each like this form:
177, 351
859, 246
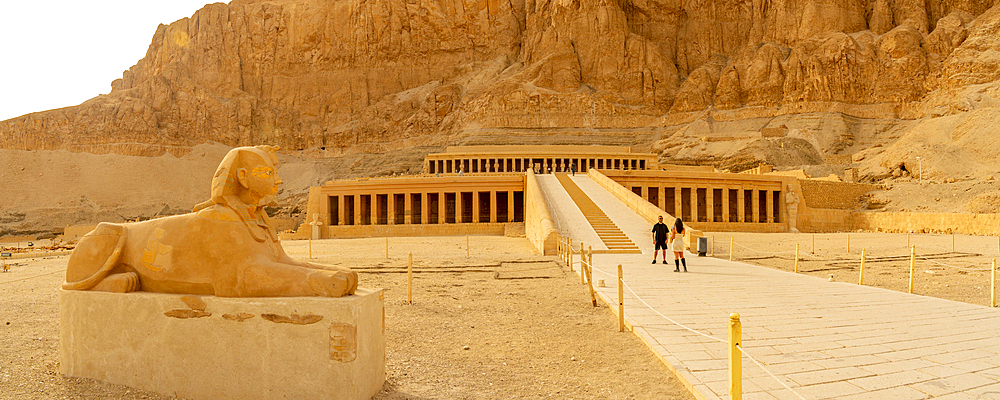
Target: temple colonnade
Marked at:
712, 201
421, 200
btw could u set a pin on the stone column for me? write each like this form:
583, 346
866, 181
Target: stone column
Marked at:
391, 209
408, 208
661, 197
510, 206
741, 202
459, 208
357, 209
678, 202
442, 208
755, 204
710, 204
694, 204
645, 192
425, 208
342, 209
475, 206
770, 207
725, 205
493, 206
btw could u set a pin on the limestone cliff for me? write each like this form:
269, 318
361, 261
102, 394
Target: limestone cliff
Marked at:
375, 76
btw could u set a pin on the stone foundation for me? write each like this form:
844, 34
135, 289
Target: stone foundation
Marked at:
205, 347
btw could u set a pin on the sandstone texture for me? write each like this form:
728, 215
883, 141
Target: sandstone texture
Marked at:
358, 88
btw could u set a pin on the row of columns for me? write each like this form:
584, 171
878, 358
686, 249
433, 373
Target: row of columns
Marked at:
545, 164
709, 204
415, 208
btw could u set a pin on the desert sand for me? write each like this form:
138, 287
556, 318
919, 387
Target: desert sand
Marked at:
503, 323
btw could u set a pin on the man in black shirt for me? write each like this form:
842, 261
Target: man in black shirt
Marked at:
660, 239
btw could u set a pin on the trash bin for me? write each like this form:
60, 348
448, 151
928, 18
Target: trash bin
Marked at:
702, 246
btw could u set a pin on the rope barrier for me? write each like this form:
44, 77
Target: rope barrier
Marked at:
637, 297
768, 372
955, 267
31, 277
657, 311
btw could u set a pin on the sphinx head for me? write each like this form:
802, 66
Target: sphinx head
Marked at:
249, 173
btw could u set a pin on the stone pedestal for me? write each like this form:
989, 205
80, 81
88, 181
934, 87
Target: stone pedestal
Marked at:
205, 347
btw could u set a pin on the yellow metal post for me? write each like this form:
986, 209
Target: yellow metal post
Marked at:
861, 279
735, 357
583, 256
993, 285
814, 244
713, 245
796, 258
310, 247
621, 301
409, 279
913, 263
731, 248
468, 253
848, 242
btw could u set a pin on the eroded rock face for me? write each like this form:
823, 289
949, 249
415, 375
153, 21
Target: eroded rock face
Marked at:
380, 75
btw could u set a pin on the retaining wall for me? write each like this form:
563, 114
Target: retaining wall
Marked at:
538, 226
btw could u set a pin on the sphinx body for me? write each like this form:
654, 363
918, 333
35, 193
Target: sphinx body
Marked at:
226, 247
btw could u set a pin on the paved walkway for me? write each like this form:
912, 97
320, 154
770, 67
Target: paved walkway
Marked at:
824, 340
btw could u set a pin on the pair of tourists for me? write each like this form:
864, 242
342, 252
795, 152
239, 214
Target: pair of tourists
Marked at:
676, 242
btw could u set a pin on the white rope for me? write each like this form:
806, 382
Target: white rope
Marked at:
744, 352
656, 311
785, 252
759, 251
952, 266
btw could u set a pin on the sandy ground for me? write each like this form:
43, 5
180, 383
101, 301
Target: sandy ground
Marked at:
503, 323
960, 273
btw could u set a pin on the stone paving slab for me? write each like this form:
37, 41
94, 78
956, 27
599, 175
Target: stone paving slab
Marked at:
825, 340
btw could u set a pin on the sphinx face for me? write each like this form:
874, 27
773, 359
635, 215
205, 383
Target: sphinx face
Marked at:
263, 182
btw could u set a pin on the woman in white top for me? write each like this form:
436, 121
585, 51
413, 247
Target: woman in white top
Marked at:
677, 245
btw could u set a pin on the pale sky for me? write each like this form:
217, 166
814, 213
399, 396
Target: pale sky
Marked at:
59, 53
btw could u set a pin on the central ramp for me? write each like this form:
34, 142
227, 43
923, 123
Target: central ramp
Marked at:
609, 233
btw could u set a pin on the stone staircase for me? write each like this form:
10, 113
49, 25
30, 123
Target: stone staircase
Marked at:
616, 241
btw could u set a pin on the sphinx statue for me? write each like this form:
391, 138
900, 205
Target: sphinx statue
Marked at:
225, 247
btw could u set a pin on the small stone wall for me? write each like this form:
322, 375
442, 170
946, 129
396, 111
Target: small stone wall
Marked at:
833, 195
968, 224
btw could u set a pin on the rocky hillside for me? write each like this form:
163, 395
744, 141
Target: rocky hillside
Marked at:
870, 84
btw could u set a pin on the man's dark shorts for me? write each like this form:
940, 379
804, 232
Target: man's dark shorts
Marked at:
661, 245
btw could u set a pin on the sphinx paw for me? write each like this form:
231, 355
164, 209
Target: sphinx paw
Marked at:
333, 283
125, 282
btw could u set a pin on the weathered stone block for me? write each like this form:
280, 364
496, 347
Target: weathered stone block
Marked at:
205, 347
